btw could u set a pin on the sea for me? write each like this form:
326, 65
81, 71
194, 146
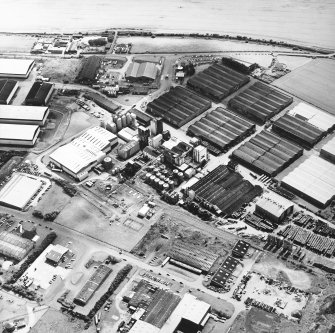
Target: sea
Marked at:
309, 22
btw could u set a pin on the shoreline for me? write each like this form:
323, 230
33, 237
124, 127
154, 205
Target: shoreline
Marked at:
124, 32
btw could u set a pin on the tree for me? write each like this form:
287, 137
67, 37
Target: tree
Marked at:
38, 214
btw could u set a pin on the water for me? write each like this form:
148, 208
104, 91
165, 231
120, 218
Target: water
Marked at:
310, 22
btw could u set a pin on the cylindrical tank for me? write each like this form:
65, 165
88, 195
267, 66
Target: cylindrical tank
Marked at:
163, 178
124, 121
152, 180
129, 119
119, 124
166, 187
147, 176
171, 184
158, 175
156, 182
160, 184
156, 170
175, 173
133, 116
111, 127
115, 118
113, 172
180, 176
107, 162
150, 168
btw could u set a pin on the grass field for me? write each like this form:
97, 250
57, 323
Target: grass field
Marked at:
314, 83
259, 321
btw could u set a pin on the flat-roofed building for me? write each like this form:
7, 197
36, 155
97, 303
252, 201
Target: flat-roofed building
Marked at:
39, 94
16, 68
313, 180
18, 135
55, 256
8, 89
23, 114
19, 191
328, 151
82, 154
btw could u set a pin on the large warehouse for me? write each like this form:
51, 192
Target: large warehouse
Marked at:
102, 101
14, 246
89, 70
328, 151
259, 102
39, 94
82, 154
298, 130
273, 207
19, 190
16, 68
222, 128
267, 153
141, 72
8, 89
178, 106
18, 135
313, 180
23, 114
217, 82
224, 189
314, 116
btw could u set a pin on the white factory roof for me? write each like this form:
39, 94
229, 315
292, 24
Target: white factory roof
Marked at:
15, 66
189, 308
316, 117
315, 177
274, 203
84, 150
23, 112
19, 190
144, 327
17, 131
329, 147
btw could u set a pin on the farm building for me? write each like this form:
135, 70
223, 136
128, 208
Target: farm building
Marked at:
224, 190
39, 94
240, 249
314, 116
55, 255
267, 153
313, 180
141, 72
102, 101
14, 246
217, 82
328, 151
298, 131
273, 207
222, 128
89, 70
92, 285
178, 106
82, 154
16, 68
19, 190
224, 272
23, 114
259, 102
8, 89
192, 256
18, 135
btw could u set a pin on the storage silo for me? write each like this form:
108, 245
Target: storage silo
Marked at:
119, 124
124, 121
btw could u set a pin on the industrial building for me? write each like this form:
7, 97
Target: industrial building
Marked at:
224, 272
178, 106
92, 285
19, 190
141, 72
56, 254
156, 126
103, 102
129, 149
200, 154
222, 128
18, 134
267, 153
224, 190
82, 154
142, 118
23, 114
328, 151
175, 151
313, 116
39, 94
16, 68
14, 246
259, 102
313, 180
8, 89
89, 70
240, 249
192, 257
273, 207
298, 130
217, 82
